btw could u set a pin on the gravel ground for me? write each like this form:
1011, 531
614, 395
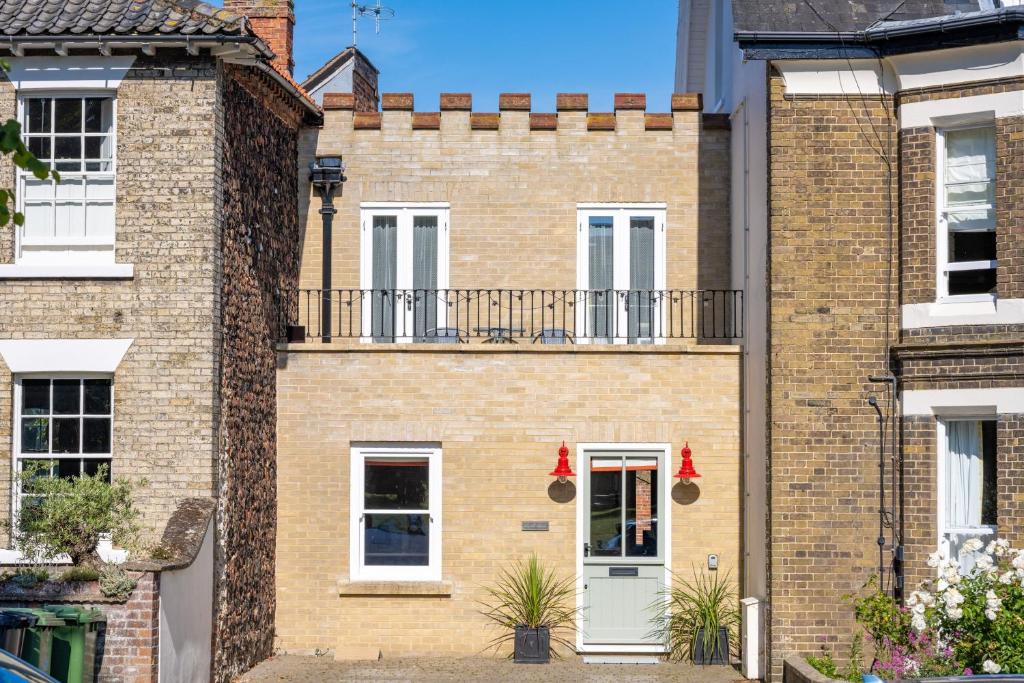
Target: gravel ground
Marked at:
291, 669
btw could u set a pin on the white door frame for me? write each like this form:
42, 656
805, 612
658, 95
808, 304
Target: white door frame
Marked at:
620, 214
664, 517
403, 212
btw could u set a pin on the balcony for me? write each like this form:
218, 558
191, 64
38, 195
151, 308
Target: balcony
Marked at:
512, 316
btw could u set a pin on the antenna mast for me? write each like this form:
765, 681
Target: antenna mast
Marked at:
376, 11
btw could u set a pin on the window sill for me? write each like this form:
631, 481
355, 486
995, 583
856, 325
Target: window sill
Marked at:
951, 312
440, 589
107, 271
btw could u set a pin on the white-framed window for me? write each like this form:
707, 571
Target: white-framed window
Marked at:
395, 526
404, 271
967, 481
70, 222
620, 272
63, 426
966, 238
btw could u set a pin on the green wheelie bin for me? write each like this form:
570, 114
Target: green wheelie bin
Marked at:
37, 645
73, 655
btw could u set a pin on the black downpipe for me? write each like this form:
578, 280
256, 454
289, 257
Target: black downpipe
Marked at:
327, 212
896, 514
873, 402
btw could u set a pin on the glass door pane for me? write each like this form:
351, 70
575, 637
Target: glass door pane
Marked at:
641, 507
606, 506
601, 271
382, 297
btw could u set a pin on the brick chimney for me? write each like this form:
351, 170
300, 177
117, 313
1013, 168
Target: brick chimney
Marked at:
274, 22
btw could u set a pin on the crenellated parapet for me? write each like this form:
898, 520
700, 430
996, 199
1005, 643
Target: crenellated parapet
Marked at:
455, 111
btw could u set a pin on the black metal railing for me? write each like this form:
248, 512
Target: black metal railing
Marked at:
550, 316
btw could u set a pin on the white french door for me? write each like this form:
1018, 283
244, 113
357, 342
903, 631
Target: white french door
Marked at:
404, 272
621, 273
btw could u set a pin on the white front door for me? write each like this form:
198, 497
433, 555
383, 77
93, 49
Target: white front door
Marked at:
405, 264
624, 546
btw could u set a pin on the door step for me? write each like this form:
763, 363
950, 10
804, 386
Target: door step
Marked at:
621, 659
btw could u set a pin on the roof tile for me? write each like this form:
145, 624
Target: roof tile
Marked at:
124, 17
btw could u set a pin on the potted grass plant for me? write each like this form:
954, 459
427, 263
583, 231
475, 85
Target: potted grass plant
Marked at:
702, 618
534, 610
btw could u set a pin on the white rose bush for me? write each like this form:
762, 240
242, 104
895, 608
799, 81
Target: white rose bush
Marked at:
974, 616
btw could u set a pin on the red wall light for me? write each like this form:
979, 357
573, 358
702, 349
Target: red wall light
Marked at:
686, 471
562, 469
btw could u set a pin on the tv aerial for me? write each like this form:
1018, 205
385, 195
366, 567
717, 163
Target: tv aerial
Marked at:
378, 13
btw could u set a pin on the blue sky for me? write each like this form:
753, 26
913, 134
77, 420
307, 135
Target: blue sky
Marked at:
491, 46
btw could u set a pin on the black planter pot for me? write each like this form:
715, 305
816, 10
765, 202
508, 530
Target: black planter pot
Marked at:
532, 645
717, 651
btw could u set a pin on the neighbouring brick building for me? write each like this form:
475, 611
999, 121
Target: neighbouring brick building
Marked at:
503, 283
876, 189
139, 302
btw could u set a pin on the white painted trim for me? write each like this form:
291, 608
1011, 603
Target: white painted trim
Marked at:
624, 658
620, 215
903, 72
404, 213
833, 77
77, 72
99, 271
933, 68
994, 311
962, 110
665, 517
358, 454
963, 402
63, 355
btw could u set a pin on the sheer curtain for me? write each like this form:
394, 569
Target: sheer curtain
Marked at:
601, 298
424, 276
384, 278
963, 474
641, 277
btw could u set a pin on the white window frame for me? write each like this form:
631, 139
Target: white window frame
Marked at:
102, 251
358, 571
942, 452
621, 214
404, 212
16, 454
942, 266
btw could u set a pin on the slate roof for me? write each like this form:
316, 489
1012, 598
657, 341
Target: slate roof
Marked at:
802, 16
116, 17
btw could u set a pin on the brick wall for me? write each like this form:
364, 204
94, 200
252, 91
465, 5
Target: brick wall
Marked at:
128, 643
499, 412
165, 403
259, 260
274, 22
828, 319
513, 189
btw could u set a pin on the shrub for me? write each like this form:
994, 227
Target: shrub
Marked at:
530, 595
68, 515
79, 574
977, 613
28, 577
115, 582
707, 602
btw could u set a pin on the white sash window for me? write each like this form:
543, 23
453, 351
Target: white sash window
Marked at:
966, 242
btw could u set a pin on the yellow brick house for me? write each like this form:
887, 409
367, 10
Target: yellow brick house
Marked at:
491, 286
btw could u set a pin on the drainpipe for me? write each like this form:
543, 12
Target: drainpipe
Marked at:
327, 174
897, 479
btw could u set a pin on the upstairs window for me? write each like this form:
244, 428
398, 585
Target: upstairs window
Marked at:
71, 221
966, 242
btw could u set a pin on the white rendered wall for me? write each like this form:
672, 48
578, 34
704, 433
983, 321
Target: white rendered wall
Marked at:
186, 618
